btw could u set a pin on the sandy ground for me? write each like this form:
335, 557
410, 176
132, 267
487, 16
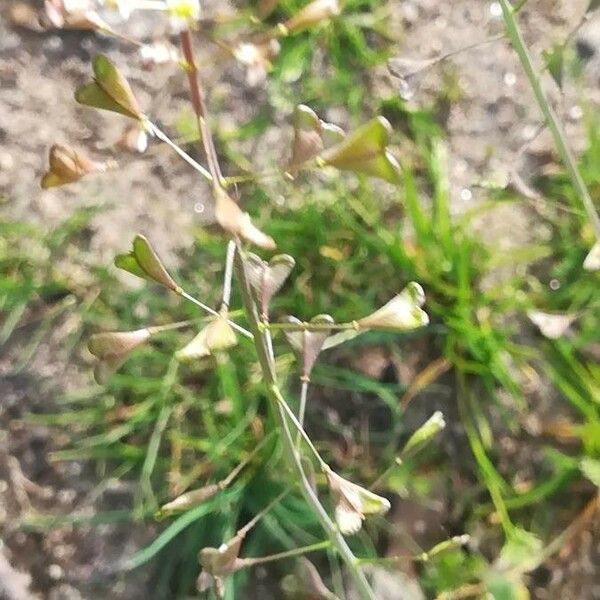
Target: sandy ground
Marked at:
487, 128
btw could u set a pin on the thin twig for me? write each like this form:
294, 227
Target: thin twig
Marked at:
228, 275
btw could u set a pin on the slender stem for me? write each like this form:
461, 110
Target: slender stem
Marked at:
267, 365
305, 326
163, 137
292, 417
212, 311
199, 105
228, 275
170, 326
554, 124
250, 524
251, 562
302, 408
238, 469
309, 494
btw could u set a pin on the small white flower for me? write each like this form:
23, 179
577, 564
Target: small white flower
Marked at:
184, 13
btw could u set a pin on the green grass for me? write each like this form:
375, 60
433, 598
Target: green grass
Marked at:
357, 243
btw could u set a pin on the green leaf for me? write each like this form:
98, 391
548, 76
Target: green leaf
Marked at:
365, 151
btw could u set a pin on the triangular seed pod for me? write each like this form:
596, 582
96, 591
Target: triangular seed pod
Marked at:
127, 262
331, 134
353, 502
217, 336
112, 349
67, 165
236, 222
308, 344
365, 151
144, 262
218, 563
403, 312
109, 91
150, 263
305, 583
312, 14
307, 141
311, 135
267, 278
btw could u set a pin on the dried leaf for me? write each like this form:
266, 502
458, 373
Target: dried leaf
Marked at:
552, 326
109, 91
353, 502
365, 151
236, 222
403, 312
68, 165
267, 278
217, 336
312, 14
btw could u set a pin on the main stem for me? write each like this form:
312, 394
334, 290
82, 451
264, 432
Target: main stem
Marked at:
558, 133
260, 340
358, 577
